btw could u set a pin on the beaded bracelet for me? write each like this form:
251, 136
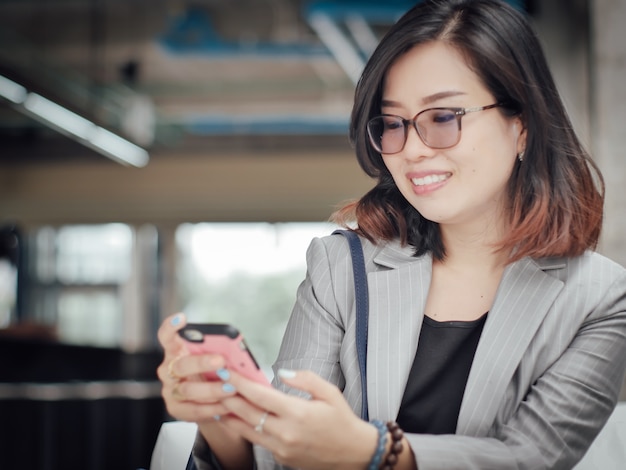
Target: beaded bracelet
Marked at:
396, 445
380, 448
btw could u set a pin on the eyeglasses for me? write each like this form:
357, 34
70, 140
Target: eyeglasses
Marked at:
439, 128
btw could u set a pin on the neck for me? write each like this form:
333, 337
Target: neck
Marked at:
473, 248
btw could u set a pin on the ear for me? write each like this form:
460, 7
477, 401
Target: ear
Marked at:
519, 130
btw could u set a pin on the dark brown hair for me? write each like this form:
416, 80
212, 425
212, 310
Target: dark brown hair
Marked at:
555, 196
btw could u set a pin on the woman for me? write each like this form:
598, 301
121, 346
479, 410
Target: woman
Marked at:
497, 338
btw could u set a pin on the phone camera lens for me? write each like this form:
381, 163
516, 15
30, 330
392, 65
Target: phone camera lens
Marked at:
193, 335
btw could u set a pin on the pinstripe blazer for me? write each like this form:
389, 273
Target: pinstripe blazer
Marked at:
546, 374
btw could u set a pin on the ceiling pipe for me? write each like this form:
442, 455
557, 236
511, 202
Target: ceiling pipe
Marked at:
338, 44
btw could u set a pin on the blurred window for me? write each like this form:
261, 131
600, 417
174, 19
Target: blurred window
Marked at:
75, 277
245, 274
103, 285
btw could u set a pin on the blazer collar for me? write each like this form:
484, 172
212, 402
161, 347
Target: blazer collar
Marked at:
397, 298
394, 255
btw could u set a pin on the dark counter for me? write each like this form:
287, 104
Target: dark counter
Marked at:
66, 407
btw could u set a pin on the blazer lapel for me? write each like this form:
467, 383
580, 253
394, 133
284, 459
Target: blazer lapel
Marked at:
397, 298
523, 298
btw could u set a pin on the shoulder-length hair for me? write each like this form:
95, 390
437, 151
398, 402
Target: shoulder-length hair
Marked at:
555, 196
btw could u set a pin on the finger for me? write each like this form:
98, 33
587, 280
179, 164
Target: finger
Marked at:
202, 392
248, 417
262, 396
251, 433
169, 370
196, 401
277, 402
309, 382
192, 411
167, 334
247, 411
254, 424
172, 346
198, 366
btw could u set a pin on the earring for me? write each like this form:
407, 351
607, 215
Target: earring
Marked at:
520, 156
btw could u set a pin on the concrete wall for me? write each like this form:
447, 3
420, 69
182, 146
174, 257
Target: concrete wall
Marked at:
608, 118
585, 42
563, 28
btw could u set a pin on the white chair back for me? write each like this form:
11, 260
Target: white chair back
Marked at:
173, 446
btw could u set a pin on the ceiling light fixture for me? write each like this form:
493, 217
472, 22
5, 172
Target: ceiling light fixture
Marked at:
12, 91
73, 125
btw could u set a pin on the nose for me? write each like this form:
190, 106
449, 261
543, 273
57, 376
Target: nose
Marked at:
414, 147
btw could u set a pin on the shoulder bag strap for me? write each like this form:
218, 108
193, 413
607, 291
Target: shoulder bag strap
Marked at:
362, 309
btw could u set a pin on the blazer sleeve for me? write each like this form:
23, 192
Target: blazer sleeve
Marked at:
564, 409
314, 336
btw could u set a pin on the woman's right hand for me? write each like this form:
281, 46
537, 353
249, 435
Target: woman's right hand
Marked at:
189, 397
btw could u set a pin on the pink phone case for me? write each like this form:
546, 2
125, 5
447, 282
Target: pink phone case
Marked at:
216, 338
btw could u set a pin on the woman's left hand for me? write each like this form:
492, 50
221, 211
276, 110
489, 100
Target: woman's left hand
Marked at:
320, 433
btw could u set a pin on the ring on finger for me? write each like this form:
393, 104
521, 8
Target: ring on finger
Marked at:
170, 370
176, 393
259, 427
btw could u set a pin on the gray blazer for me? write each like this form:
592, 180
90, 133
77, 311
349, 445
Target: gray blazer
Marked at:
546, 374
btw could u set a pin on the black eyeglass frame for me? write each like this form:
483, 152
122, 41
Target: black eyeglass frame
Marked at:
458, 114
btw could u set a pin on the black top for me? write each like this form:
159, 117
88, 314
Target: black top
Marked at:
433, 394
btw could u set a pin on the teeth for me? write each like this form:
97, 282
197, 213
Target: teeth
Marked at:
430, 179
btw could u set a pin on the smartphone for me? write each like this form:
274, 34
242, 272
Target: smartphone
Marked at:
226, 340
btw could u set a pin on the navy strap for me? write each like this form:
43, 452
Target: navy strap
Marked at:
362, 309
191, 464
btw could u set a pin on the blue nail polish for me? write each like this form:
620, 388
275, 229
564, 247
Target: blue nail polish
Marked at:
176, 320
286, 373
223, 374
228, 388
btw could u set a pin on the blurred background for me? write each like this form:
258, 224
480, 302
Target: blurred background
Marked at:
168, 155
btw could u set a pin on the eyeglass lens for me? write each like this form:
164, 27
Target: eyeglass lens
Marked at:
438, 128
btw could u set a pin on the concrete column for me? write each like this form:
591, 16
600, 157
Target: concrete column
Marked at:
585, 43
608, 116
608, 119
563, 29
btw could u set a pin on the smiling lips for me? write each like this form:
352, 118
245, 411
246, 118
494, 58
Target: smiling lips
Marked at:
430, 179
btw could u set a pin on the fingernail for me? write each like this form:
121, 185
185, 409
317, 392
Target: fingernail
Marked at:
217, 417
176, 320
228, 388
223, 374
286, 373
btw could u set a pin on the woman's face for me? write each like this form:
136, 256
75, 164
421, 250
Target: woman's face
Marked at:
466, 183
